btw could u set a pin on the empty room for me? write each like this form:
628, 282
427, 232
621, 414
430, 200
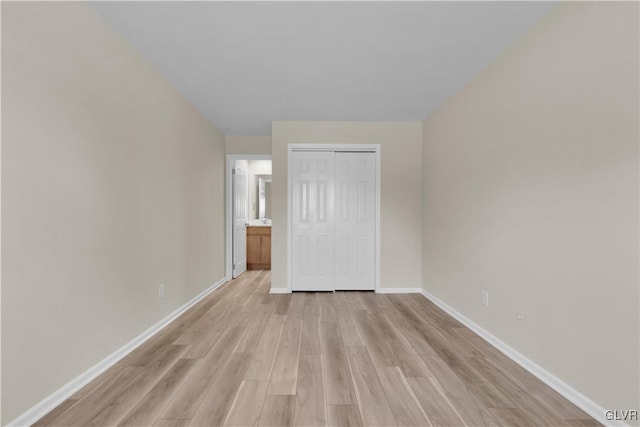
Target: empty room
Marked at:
317, 213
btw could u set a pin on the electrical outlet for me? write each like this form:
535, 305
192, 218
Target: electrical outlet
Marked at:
161, 291
519, 316
485, 298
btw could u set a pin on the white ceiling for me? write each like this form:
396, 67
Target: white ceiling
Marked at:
244, 64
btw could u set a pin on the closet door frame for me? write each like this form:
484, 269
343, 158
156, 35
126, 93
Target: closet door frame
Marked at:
373, 148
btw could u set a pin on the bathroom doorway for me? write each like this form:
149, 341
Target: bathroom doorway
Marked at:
248, 213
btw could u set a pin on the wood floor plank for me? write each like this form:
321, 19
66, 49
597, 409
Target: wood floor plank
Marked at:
296, 308
342, 307
171, 422
250, 339
102, 396
435, 404
369, 302
194, 333
170, 334
440, 340
118, 407
249, 293
337, 375
433, 312
150, 406
51, 416
215, 405
488, 396
244, 357
371, 398
344, 416
381, 352
95, 383
200, 348
404, 356
425, 330
471, 339
312, 304
548, 397
253, 303
348, 328
459, 345
327, 308
235, 317
584, 423
560, 405
151, 349
282, 303
456, 391
510, 417
402, 400
310, 341
278, 411
350, 335
269, 299
248, 403
408, 330
188, 397
527, 404
284, 376
263, 357
353, 300
310, 398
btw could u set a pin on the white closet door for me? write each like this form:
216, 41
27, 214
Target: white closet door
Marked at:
312, 221
355, 221
239, 221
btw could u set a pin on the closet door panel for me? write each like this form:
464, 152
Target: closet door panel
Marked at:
312, 221
355, 221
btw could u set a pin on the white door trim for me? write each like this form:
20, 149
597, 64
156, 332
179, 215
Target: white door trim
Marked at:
375, 148
229, 205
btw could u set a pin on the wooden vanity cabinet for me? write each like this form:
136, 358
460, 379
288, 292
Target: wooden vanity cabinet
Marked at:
258, 248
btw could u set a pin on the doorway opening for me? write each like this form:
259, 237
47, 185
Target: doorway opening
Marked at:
248, 213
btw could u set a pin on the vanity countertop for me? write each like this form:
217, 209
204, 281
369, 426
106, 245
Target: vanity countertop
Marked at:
258, 223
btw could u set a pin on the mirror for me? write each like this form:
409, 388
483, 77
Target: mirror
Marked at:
264, 197
258, 191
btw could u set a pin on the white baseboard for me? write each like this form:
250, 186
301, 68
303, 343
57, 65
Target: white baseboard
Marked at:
399, 290
571, 394
279, 291
380, 291
57, 397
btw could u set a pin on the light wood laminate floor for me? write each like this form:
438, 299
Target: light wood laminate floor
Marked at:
243, 357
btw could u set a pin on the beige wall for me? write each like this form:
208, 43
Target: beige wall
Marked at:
248, 144
112, 184
531, 193
400, 192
